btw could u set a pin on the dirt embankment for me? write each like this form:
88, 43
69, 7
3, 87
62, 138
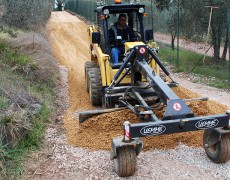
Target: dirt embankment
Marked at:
69, 40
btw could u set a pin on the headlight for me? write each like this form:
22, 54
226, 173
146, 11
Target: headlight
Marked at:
141, 10
105, 11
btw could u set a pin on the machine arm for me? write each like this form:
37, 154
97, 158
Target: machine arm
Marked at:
176, 107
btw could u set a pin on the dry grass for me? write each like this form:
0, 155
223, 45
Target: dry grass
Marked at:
14, 125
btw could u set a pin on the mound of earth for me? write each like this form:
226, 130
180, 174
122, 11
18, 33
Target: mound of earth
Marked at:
98, 131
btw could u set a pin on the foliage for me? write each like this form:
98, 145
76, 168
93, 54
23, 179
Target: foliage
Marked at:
193, 18
59, 4
162, 4
27, 13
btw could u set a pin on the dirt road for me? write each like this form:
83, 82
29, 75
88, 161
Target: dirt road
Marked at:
69, 40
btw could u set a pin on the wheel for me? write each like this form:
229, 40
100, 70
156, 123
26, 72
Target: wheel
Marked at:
219, 152
95, 86
88, 65
126, 161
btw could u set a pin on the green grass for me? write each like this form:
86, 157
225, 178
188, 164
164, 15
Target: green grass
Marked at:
15, 59
3, 103
36, 133
11, 159
191, 62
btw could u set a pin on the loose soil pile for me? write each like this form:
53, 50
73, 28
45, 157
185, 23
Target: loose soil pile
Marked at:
69, 39
97, 132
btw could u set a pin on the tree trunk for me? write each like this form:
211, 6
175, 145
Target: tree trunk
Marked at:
216, 43
225, 47
173, 36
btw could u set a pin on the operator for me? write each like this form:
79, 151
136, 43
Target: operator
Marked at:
119, 33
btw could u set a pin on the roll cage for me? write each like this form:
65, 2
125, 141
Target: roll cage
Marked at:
135, 20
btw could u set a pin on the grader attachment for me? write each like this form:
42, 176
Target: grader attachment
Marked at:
136, 84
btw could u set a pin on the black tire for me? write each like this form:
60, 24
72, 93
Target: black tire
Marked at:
219, 152
88, 65
126, 161
95, 86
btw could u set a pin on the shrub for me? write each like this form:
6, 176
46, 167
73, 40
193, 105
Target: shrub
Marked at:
26, 14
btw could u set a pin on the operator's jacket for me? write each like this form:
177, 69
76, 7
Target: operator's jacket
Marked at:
127, 34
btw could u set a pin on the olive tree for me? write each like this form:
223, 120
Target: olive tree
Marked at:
26, 14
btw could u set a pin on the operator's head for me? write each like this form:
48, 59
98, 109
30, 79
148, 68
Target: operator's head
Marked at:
122, 20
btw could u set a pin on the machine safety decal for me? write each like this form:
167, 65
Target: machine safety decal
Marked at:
153, 130
177, 106
142, 50
207, 123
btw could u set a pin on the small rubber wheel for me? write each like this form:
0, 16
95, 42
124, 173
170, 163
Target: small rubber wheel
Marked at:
88, 65
126, 161
219, 152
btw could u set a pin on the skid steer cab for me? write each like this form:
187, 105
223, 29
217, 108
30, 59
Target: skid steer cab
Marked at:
100, 70
134, 82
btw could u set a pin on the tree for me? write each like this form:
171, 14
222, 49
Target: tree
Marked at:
27, 13
162, 4
172, 25
193, 21
193, 17
224, 54
190, 21
218, 27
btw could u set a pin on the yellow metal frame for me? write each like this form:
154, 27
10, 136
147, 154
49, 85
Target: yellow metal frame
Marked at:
103, 60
